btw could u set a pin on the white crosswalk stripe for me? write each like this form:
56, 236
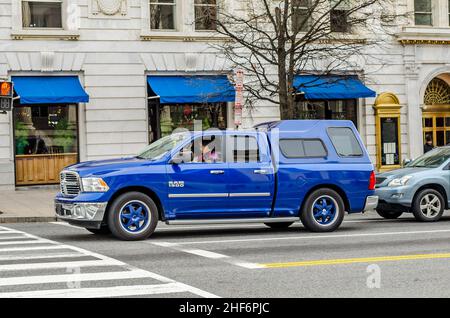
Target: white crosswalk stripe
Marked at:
116, 278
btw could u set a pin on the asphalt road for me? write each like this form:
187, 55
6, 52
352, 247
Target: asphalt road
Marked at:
366, 257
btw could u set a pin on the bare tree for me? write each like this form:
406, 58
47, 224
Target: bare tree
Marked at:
275, 40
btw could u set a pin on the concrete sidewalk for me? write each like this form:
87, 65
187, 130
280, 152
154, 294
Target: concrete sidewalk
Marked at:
27, 205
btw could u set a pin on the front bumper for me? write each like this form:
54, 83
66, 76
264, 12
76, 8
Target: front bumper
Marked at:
396, 195
89, 214
371, 203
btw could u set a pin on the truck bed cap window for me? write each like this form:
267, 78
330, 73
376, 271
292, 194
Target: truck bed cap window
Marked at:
302, 148
345, 142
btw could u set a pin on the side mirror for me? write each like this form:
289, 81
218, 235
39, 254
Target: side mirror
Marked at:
180, 157
406, 162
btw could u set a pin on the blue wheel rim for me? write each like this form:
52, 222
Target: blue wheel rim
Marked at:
134, 216
325, 210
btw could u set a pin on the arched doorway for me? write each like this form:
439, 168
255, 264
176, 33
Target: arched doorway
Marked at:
436, 112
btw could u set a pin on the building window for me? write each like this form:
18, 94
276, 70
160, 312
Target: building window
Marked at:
300, 18
39, 14
46, 140
339, 21
330, 109
162, 14
423, 12
205, 15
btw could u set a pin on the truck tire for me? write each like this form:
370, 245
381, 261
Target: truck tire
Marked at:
428, 205
390, 215
103, 230
279, 225
323, 211
132, 216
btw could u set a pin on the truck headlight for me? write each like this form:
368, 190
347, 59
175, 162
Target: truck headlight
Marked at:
398, 182
94, 185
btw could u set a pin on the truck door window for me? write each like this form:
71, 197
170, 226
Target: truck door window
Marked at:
302, 148
345, 142
243, 149
205, 149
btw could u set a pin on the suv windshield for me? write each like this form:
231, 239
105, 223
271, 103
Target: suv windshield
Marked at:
159, 148
432, 159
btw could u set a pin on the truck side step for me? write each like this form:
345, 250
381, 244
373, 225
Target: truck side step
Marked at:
233, 221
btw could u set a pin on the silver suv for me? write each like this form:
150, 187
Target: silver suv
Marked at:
421, 187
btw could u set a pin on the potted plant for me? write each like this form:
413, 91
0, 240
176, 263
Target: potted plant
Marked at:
22, 134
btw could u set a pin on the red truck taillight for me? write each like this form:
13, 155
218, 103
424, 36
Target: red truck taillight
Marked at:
372, 181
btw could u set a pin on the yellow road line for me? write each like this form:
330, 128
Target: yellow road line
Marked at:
358, 260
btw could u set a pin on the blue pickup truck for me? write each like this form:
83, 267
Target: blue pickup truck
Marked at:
278, 173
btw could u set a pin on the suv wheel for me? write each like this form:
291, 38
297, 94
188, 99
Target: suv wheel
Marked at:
428, 205
133, 216
389, 214
323, 211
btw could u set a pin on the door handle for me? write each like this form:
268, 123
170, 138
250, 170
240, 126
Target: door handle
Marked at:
217, 172
261, 171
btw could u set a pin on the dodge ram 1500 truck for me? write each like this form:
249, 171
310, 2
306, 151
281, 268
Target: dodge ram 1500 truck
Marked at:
278, 173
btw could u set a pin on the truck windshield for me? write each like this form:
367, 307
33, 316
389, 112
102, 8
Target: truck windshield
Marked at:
432, 159
159, 148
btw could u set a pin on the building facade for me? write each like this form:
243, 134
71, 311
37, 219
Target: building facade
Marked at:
91, 82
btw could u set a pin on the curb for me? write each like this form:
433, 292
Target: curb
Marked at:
26, 219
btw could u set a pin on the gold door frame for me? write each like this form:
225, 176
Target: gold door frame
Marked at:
387, 105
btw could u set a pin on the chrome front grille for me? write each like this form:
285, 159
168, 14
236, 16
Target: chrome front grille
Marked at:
69, 183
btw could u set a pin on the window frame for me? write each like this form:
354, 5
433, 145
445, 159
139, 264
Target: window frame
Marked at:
175, 6
63, 16
195, 5
302, 140
302, 8
66, 32
354, 135
430, 13
344, 6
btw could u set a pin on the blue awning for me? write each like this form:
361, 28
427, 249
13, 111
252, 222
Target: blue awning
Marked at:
331, 87
192, 89
49, 90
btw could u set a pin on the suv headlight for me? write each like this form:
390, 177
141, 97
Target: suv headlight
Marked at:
398, 182
94, 185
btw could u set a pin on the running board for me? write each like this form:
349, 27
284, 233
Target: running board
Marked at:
233, 221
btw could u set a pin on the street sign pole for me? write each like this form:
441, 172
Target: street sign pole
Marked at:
238, 104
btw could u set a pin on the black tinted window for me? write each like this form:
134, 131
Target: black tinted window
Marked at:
345, 142
243, 149
302, 148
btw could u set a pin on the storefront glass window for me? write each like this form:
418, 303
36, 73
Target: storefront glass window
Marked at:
44, 129
333, 109
184, 116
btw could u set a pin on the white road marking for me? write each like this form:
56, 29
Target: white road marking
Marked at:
24, 242
312, 236
12, 237
48, 279
207, 254
33, 248
75, 264
127, 272
116, 291
10, 232
29, 257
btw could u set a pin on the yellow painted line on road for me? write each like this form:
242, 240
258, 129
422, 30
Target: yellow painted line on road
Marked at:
343, 261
